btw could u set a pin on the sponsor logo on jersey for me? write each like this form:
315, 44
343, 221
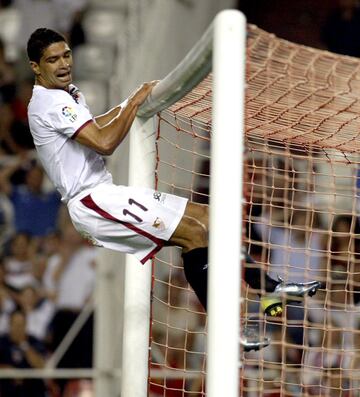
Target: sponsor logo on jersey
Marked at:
69, 113
157, 196
160, 197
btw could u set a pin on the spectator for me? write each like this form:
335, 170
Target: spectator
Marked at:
6, 221
7, 304
18, 350
174, 314
20, 262
330, 362
69, 279
36, 211
19, 128
7, 77
257, 168
21, 101
48, 247
295, 245
69, 17
39, 311
7, 142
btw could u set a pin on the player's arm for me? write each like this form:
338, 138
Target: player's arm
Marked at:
107, 138
107, 117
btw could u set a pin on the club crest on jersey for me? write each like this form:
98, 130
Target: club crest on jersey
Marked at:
69, 113
158, 224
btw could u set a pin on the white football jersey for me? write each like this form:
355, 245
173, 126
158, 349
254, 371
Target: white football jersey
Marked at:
55, 118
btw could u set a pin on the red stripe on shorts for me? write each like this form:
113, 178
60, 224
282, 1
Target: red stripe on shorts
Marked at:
89, 203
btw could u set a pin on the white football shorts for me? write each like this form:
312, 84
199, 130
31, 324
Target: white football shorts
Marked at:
133, 220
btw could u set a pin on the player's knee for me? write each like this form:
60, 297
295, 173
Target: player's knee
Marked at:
198, 235
190, 234
199, 212
205, 215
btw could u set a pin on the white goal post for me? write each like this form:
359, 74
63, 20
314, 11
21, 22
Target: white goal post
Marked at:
226, 185
222, 45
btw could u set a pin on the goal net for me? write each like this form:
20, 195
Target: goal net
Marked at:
301, 223
178, 321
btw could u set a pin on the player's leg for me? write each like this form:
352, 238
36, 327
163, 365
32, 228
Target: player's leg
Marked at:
198, 211
189, 234
192, 235
255, 276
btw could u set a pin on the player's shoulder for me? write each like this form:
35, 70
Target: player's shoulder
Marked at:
43, 98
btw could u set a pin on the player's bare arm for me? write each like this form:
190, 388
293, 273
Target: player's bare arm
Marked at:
107, 138
107, 117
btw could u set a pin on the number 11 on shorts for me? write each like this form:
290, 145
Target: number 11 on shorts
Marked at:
135, 203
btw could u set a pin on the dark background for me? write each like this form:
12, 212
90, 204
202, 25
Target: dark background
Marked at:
300, 21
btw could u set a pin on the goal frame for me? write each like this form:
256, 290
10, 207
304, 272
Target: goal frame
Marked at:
221, 49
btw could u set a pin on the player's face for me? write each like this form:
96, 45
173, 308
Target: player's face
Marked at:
54, 68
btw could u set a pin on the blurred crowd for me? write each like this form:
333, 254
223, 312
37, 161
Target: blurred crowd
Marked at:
47, 271
315, 343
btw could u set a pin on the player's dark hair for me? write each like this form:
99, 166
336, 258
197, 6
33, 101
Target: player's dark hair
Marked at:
39, 40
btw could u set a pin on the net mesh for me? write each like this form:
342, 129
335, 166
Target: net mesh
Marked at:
301, 222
